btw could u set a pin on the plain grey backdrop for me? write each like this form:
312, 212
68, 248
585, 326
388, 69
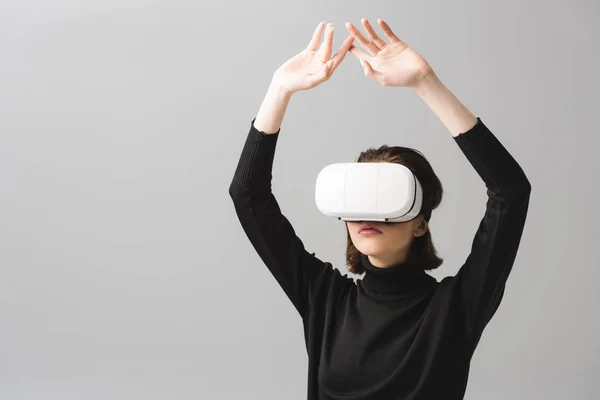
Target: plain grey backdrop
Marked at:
124, 272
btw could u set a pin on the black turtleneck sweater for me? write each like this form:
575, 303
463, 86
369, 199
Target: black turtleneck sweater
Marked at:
396, 333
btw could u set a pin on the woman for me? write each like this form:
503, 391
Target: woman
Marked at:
397, 333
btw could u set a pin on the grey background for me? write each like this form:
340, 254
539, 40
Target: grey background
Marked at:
124, 273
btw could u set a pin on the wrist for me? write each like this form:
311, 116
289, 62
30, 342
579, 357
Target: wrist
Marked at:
279, 91
453, 114
428, 83
272, 110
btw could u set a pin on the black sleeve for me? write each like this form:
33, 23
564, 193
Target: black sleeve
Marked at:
296, 270
481, 280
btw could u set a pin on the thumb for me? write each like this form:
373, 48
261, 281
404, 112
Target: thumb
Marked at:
370, 72
322, 75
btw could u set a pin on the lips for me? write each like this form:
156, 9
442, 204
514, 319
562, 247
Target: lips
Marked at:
368, 226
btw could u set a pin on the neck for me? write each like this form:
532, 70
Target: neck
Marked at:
404, 277
383, 261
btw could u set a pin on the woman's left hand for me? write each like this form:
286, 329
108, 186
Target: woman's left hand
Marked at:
391, 64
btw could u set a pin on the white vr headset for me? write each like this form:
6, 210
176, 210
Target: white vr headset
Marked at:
368, 191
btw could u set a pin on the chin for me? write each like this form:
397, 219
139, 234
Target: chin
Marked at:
370, 249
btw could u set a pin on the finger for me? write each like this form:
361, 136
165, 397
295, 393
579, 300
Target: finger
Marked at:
341, 53
316, 38
325, 50
359, 54
377, 41
370, 47
322, 75
388, 32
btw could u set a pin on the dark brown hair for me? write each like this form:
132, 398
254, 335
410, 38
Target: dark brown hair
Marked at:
422, 249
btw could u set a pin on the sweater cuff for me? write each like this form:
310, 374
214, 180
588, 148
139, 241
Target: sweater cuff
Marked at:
256, 162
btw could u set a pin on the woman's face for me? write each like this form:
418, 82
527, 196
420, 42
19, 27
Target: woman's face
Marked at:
391, 245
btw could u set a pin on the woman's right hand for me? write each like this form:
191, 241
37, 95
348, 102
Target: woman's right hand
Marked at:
311, 67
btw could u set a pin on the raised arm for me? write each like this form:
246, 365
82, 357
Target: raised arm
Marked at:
269, 231
297, 271
481, 280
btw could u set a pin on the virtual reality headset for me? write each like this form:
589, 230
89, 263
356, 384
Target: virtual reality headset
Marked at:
368, 191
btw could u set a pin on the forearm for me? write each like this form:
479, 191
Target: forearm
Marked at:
272, 110
453, 114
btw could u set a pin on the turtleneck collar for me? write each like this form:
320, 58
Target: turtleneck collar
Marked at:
402, 278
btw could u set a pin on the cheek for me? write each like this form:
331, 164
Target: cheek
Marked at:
398, 236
